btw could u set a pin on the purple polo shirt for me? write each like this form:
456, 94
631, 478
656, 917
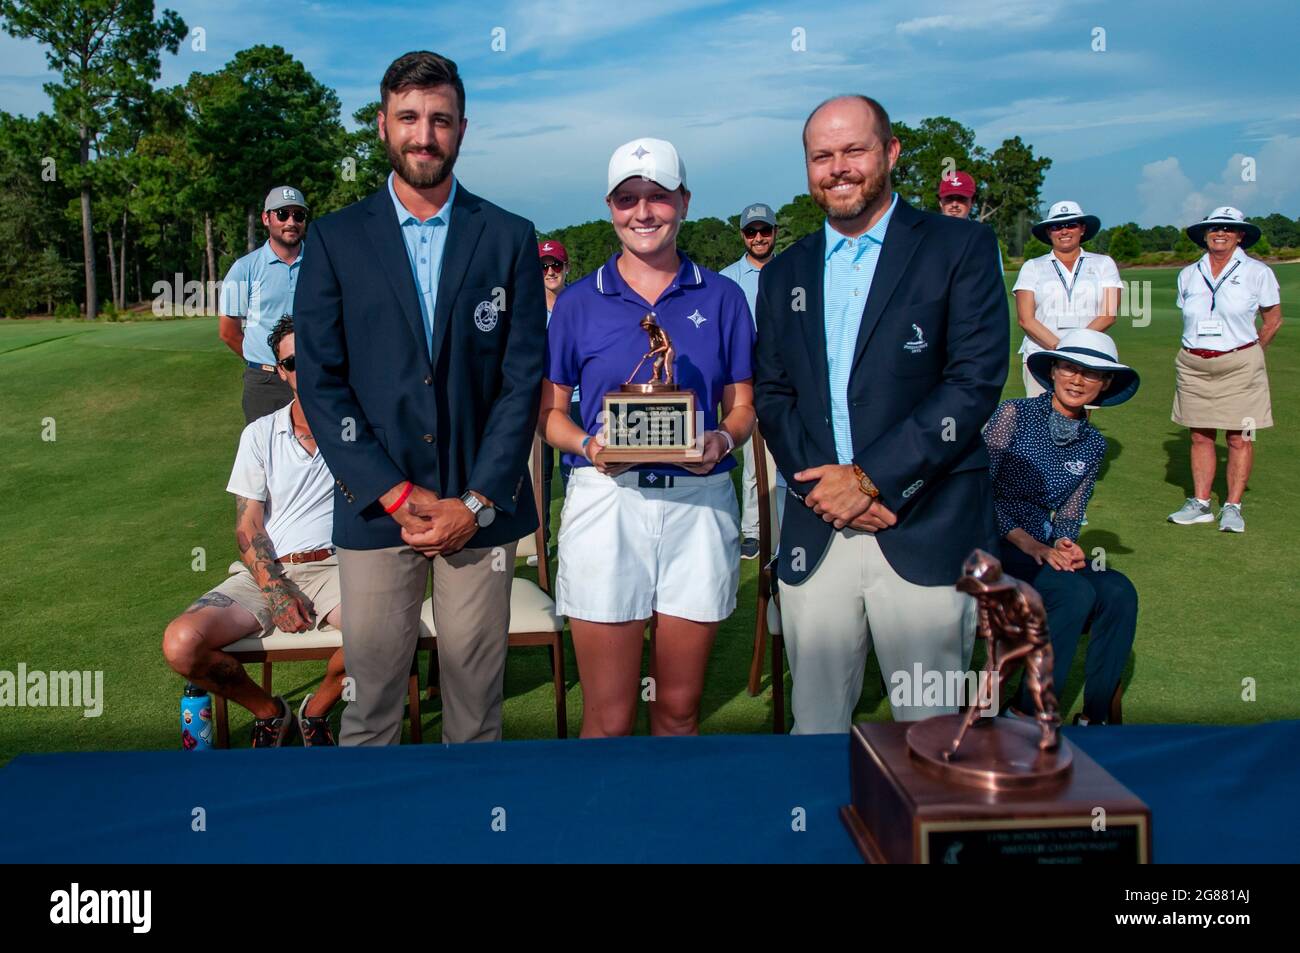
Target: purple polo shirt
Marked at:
595, 340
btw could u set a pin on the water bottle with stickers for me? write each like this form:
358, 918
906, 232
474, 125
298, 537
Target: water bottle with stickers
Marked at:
196, 718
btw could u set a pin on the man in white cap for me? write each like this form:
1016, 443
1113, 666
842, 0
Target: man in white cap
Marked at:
1066, 288
758, 232
257, 293
1221, 379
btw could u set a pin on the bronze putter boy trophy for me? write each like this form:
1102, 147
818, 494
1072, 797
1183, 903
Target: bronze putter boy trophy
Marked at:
971, 789
651, 422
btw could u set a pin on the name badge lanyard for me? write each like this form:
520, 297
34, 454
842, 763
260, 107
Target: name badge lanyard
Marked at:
1214, 288
1074, 278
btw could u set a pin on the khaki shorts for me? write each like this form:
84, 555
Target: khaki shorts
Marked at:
1228, 392
319, 582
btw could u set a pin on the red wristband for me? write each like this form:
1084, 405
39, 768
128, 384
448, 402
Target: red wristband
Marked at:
401, 499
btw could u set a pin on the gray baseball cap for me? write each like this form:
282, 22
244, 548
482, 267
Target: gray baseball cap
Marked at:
283, 195
758, 212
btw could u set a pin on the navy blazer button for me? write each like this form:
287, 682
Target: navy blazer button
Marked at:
428, 380
428, 438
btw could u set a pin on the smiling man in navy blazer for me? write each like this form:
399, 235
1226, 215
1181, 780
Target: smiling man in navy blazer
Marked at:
421, 335
882, 349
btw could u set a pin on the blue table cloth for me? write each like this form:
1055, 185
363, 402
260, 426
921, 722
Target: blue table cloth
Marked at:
1217, 794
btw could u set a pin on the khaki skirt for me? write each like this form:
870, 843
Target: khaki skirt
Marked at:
1228, 392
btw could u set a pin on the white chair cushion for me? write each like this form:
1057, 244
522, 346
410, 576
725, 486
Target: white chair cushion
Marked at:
280, 641
773, 617
531, 610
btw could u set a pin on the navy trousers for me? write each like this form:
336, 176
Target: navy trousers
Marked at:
1105, 603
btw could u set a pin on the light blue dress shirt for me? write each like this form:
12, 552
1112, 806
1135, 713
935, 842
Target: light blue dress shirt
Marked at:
259, 288
744, 273
425, 243
846, 282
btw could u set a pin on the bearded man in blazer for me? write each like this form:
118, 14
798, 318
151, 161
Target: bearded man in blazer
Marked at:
883, 342
421, 336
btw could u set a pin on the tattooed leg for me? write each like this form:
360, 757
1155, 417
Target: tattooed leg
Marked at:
218, 600
192, 646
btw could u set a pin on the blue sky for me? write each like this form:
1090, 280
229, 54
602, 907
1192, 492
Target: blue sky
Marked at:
1154, 129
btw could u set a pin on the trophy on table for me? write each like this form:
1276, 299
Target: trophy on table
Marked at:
652, 421
976, 788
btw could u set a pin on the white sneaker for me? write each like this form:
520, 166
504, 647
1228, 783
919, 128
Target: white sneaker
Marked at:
1193, 511
1230, 520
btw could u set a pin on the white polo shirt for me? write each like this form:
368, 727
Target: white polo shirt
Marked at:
1066, 298
1219, 312
296, 488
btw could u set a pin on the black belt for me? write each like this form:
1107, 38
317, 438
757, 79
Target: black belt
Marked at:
269, 368
658, 481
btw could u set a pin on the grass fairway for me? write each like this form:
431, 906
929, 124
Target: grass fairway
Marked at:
100, 528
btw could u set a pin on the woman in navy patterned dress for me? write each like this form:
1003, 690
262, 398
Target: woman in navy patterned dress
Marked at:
1044, 458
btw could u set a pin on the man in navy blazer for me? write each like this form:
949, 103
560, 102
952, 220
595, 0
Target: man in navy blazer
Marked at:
882, 350
421, 335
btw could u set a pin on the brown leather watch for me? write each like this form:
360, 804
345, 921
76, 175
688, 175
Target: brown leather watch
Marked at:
865, 484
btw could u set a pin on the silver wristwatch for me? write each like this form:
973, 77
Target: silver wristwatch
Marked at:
482, 513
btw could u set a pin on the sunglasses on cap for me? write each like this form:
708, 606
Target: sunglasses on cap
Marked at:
287, 363
753, 231
1060, 226
298, 214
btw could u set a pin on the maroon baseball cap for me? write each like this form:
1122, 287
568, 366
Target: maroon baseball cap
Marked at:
552, 249
959, 183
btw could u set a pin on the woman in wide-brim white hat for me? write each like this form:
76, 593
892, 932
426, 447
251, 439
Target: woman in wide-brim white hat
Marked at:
1065, 213
1044, 458
1221, 378
1066, 288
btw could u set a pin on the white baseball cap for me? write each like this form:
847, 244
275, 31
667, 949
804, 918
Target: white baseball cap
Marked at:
654, 159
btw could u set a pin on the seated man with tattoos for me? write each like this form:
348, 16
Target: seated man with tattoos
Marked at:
284, 504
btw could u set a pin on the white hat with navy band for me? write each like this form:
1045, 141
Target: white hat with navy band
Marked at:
1225, 215
1063, 212
1094, 350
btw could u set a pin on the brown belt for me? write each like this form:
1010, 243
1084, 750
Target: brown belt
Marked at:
1202, 352
316, 555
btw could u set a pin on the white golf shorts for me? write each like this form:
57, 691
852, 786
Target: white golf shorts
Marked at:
629, 550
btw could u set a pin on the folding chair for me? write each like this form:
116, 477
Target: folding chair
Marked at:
312, 645
767, 620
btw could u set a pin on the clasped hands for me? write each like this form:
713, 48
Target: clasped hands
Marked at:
432, 525
838, 499
1065, 555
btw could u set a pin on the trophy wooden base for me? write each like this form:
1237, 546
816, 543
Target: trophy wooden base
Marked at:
650, 423
673, 457
901, 812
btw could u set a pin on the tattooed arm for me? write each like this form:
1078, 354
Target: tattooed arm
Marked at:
291, 610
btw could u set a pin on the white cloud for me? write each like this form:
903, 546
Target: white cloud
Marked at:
926, 24
985, 15
1168, 196
1164, 192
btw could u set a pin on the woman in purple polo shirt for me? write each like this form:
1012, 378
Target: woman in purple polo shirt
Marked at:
654, 539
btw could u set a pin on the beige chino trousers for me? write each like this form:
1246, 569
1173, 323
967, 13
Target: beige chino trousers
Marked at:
383, 592
853, 602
